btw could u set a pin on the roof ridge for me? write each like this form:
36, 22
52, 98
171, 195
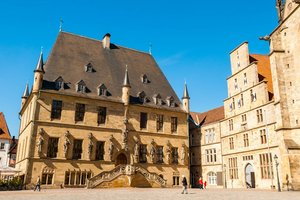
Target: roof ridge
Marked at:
89, 38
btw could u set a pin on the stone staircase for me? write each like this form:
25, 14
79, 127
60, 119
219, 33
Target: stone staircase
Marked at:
127, 170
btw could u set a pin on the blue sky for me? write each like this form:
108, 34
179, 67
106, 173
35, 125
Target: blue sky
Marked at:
191, 40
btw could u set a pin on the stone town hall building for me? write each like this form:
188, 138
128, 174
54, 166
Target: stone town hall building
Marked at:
234, 146
101, 115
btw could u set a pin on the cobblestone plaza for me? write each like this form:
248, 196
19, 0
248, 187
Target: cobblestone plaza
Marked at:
149, 193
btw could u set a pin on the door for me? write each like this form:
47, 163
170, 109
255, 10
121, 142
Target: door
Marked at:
121, 159
249, 176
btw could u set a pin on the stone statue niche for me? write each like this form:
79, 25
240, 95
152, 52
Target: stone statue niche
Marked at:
168, 152
90, 146
136, 151
111, 148
67, 143
152, 151
183, 153
40, 141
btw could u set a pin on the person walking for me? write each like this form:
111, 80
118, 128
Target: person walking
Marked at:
38, 184
184, 185
201, 183
205, 183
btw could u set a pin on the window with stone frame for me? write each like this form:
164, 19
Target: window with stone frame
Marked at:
52, 147
100, 150
252, 95
143, 153
233, 168
242, 100
47, 178
56, 109
230, 124
244, 118
266, 167
175, 180
174, 155
77, 177
246, 140
212, 178
101, 115
79, 112
81, 87
235, 84
77, 149
143, 120
159, 154
159, 122
173, 124
245, 79
259, 115
231, 143
211, 155
233, 104
102, 90
263, 136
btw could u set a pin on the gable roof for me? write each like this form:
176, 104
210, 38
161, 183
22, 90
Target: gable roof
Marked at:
72, 52
4, 132
263, 68
208, 117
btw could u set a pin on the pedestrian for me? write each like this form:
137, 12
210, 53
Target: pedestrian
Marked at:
201, 183
184, 185
38, 184
205, 183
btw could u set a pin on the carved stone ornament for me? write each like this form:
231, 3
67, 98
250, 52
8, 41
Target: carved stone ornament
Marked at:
67, 143
90, 146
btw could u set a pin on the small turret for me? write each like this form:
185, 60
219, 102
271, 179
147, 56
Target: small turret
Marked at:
126, 88
25, 95
186, 99
38, 74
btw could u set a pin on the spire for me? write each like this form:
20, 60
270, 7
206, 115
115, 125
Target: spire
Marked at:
185, 92
126, 82
40, 64
26, 92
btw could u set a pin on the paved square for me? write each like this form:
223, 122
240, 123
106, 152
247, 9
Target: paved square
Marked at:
148, 193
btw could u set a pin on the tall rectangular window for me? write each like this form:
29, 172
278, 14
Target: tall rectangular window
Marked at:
159, 122
242, 100
159, 154
233, 168
211, 155
52, 147
143, 120
231, 143
266, 166
77, 149
230, 124
143, 153
79, 112
263, 136
56, 109
173, 124
47, 178
246, 140
2, 145
244, 118
100, 150
101, 115
259, 115
174, 155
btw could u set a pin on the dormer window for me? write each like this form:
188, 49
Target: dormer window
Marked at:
102, 90
89, 68
170, 101
144, 79
141, 96
81, 87
59, 83
157, 99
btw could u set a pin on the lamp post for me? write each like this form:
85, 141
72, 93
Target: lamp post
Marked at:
276, 164
225, 184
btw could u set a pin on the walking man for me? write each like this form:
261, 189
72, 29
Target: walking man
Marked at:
184, 185
201, 183
38, 184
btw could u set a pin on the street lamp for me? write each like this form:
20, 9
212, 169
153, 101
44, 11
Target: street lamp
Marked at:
276, 164
225, 184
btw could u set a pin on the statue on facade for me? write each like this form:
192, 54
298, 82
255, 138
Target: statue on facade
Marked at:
40, 141
168, 152
125, 139
67, 142
152, 154
111, 148
183, 153
90, 146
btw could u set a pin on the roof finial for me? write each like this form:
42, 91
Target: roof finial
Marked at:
185, 92
150, 48
60, 24
126, 78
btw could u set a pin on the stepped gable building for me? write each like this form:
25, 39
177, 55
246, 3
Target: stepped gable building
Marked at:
101, 115
4, 141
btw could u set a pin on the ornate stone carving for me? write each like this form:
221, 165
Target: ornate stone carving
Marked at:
67, 143
90, 146
152, 151
183, 153
40, 140
111, 148
168, 152
136, 152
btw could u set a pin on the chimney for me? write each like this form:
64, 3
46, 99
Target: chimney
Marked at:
106, 41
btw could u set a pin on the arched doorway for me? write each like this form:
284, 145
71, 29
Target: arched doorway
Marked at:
121, 159
249, 176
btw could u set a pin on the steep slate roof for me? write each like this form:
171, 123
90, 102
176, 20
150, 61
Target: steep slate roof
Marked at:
4, 132
264, 68
72, 52
208, 117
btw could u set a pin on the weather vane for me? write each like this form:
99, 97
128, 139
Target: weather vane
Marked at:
60, 24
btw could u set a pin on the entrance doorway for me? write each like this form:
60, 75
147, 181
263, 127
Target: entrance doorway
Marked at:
121, 159
250, 176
